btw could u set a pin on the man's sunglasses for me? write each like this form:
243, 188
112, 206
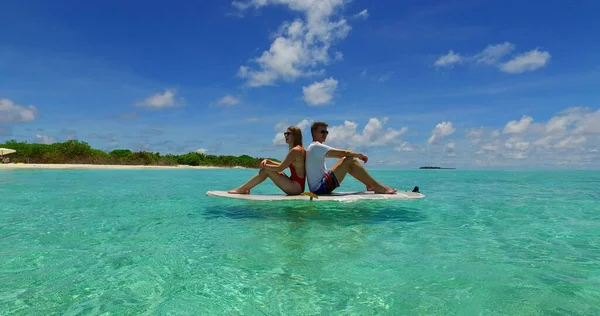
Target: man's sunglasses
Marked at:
324, 132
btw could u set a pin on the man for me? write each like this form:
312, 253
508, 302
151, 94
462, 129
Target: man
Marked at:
321, 181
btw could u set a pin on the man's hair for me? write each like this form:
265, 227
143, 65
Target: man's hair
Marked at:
316, 125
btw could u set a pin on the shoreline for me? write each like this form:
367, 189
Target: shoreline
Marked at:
13, 166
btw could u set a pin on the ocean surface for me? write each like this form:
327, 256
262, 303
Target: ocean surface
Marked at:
149, 242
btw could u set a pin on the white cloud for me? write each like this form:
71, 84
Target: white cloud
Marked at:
516, 143
493, 54
475, 134
588, 122
441, 130
529, 61
404, 146
228, 100
489, 148
515, 155
373, 134
43, 139
568, 138
320, 93
558, 124
281, 127
543, 142
160, 100
571, 142
201, 150
241, 5
364, 14
448, 60
13, 113
301, 46
514, 127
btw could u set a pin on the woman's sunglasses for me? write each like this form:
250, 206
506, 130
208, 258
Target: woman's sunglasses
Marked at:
286, 134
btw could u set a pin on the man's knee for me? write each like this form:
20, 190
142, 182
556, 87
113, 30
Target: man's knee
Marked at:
349, 160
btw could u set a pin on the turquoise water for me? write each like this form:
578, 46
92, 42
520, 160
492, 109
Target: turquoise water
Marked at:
130, 242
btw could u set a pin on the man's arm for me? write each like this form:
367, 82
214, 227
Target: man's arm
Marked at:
341, 153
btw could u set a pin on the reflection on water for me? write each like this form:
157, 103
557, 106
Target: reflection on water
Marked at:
349, 213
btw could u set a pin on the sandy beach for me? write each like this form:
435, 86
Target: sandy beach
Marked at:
89, 166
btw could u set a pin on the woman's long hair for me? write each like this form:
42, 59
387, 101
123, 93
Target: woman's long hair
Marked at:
297, 133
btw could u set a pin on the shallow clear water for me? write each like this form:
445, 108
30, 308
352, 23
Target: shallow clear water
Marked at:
150, 242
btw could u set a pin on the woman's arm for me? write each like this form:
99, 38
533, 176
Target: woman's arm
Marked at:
278, 167
267, 162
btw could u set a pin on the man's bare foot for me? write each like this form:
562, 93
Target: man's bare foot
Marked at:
385, 190
238, 191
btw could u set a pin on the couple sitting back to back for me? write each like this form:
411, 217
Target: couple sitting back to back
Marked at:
310, 165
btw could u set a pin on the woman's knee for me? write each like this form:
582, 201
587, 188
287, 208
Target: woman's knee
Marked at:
268, 173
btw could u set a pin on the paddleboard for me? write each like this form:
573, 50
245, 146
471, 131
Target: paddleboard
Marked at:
335, 196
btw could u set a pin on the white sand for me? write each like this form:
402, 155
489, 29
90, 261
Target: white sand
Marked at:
87, 166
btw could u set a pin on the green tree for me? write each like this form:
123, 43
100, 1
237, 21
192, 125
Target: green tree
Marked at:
74, 151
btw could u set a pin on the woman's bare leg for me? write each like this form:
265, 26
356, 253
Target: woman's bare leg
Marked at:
287, 185
281, 181
251, 183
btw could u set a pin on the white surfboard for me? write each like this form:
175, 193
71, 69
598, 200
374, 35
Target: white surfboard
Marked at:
335, 196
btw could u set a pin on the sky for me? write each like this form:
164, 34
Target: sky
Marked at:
468, 84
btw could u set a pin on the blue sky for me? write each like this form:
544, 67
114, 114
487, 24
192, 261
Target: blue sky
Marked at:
468, 84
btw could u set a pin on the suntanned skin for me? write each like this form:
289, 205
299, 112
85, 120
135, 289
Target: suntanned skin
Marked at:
348, 164
273, 170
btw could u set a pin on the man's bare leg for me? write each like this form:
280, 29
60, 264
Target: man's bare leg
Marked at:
356, 170
359, 172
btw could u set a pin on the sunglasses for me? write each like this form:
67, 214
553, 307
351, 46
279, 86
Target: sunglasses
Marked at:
286, 134
324, 132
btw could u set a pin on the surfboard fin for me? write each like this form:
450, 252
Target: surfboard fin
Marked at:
312, 195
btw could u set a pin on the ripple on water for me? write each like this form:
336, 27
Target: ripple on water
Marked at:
150, 242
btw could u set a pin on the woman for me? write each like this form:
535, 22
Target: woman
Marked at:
293, 185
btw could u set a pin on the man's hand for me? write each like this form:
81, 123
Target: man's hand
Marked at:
363, 158
263, 164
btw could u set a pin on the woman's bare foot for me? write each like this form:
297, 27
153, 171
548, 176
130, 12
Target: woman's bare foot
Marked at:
370, 188
238, 191
385, 190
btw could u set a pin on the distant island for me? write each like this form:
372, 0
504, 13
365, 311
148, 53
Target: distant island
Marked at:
434, 167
